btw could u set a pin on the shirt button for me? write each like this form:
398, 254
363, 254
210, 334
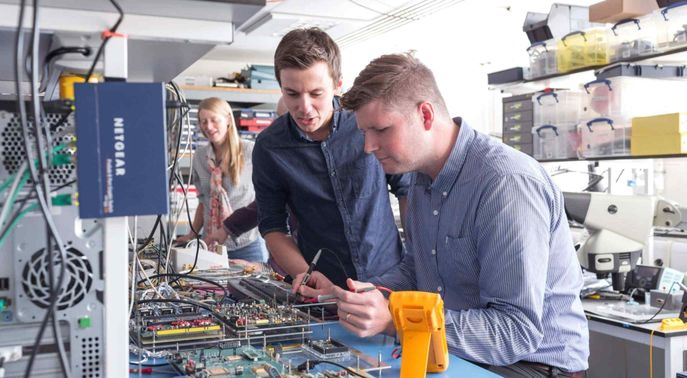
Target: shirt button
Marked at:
324, 144
333, 173
444, 194
439, 289
434, 252
435, 212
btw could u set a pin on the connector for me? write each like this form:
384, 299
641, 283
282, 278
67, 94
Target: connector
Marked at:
62, 159
62, 200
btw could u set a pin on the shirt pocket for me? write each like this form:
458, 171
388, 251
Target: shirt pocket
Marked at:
458, 265
363, 177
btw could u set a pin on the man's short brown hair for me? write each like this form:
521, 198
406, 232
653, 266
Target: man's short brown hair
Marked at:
398, 80
303, 48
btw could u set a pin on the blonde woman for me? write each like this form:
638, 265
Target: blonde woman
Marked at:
222, 173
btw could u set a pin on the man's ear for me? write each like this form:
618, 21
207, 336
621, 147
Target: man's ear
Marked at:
337, 87
427, 112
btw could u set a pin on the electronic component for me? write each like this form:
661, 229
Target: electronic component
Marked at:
122, 144
326, 349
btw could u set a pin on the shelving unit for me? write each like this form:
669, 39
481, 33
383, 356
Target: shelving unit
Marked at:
244, 97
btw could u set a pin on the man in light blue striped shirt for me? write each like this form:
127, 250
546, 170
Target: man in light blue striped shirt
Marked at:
486, 229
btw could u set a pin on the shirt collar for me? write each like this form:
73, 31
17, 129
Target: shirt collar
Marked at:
334, 125
451, 169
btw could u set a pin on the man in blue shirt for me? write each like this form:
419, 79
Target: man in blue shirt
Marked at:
312, 161
486, 229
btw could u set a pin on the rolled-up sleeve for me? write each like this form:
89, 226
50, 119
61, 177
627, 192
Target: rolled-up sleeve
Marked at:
270, 194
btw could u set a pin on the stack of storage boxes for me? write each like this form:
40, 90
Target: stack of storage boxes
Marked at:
554, 133
610, 103
659, 135
517, 122
260, 77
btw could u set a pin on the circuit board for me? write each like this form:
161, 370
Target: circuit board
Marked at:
169, 324
280, 361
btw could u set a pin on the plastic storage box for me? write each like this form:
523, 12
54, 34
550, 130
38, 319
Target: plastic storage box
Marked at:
556, 107
631, 96
664, 134
581, 49
632, 37
554, 142
600, 137
542, 58
671, 23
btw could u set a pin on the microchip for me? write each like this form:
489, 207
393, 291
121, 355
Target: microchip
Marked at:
217, 371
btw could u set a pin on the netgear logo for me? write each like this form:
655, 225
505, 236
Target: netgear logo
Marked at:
119, 147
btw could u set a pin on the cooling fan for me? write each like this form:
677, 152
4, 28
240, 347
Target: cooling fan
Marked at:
78, 278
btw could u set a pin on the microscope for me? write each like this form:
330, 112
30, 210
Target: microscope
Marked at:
619, 228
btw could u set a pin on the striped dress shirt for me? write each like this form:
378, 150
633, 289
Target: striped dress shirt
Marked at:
490, 235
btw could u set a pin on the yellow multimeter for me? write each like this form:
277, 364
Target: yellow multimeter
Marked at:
419, 320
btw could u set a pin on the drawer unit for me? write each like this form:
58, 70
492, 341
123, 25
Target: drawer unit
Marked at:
517, 105
552, 142
526, 148
601, 137
517, 138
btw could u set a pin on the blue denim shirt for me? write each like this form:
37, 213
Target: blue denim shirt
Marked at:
337, 193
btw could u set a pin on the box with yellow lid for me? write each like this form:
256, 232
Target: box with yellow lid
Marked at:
664, 134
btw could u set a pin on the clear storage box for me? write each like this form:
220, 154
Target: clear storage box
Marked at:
632, 37
552, 142
671, 23
629, 96
600, 137
581, 49
556, 107
542, 58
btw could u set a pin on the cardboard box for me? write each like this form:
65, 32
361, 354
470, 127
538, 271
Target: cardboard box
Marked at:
612, 11
664, 134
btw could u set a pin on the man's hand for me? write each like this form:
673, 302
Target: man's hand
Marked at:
318, 284
217, 237
363, 314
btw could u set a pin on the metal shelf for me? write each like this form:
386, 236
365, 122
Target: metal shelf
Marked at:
634, 157
233, 95
598, 67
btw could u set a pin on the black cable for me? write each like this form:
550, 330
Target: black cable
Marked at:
187, 276
22, 202
661, 308
309, 364
85, 51
101, 48
19, 55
